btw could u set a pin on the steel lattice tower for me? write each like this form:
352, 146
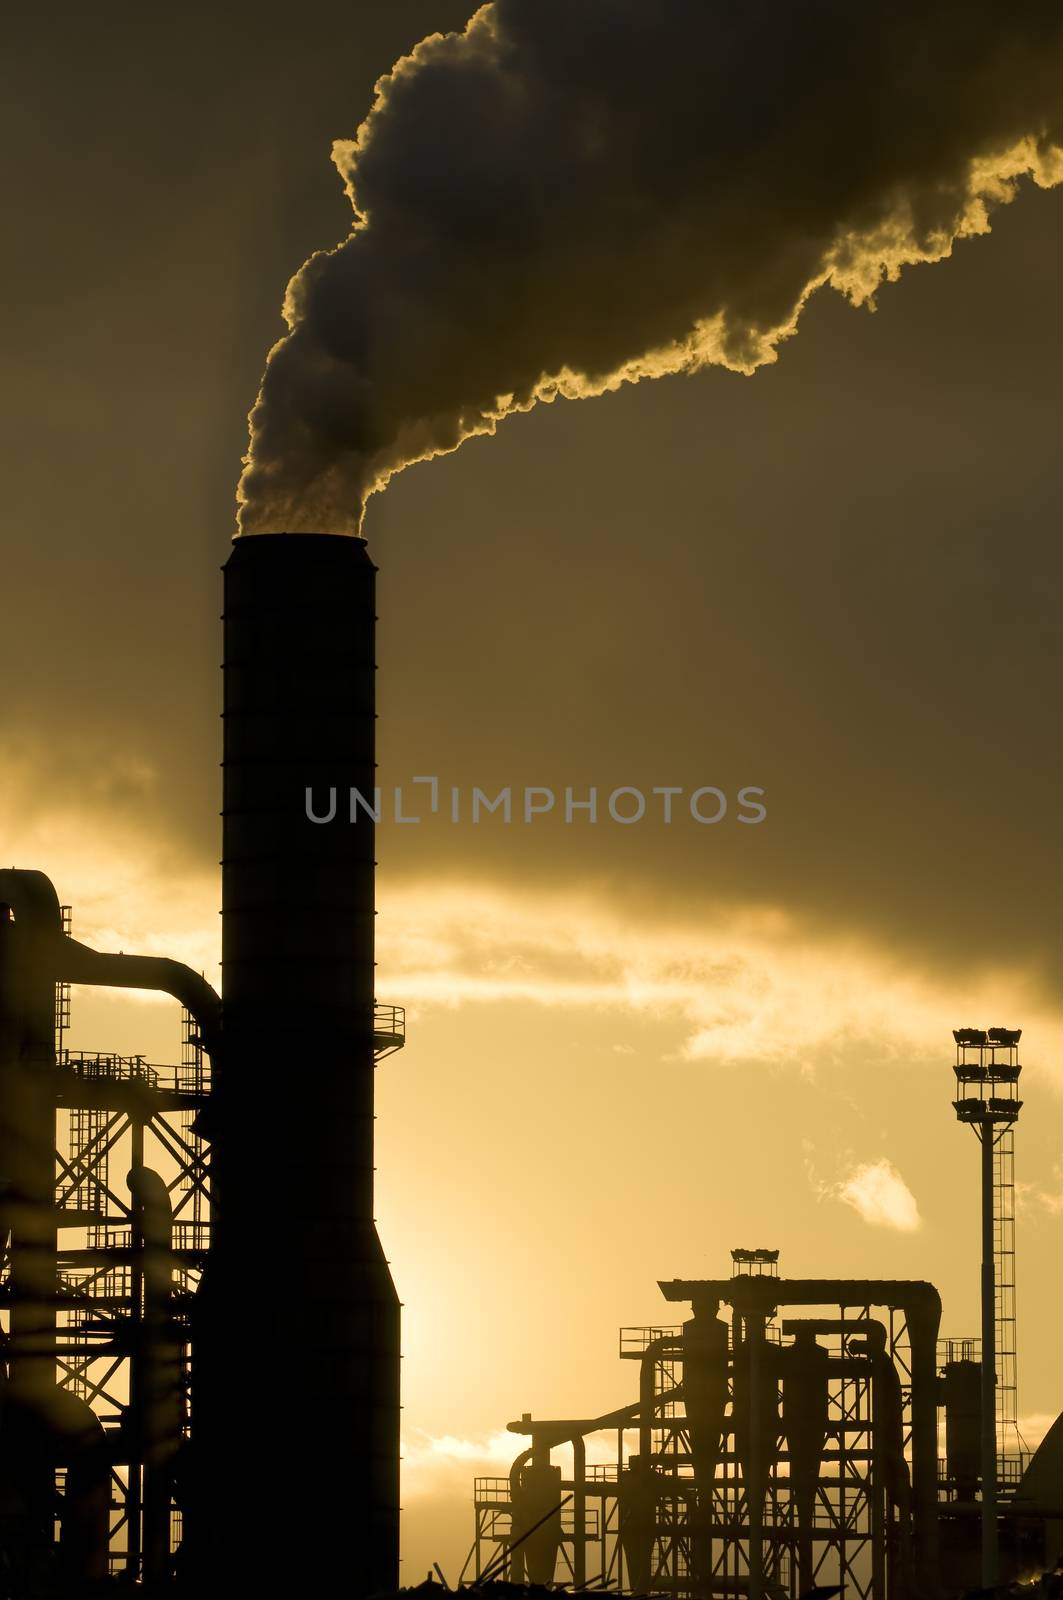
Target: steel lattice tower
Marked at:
987, 1081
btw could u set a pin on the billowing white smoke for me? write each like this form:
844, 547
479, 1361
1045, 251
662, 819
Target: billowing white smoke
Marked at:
574, 194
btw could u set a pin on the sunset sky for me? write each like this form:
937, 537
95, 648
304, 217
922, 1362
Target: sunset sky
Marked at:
838, 580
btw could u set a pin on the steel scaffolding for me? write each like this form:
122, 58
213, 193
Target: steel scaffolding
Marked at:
776, 1501
120, 1109
131, 1223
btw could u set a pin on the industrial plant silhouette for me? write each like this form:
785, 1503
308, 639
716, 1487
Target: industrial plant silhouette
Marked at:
200, 1385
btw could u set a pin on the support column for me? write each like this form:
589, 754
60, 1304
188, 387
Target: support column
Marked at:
990, 1539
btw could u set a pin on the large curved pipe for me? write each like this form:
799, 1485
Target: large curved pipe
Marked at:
77, 963
31, 896
513, 1563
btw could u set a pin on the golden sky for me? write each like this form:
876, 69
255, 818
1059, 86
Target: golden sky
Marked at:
630, 1048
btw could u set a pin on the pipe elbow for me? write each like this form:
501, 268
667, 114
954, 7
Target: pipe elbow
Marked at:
78, 963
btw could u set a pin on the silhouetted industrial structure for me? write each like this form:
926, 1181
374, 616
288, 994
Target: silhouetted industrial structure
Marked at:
987, 1081
786, 1435
201, 1359
199, 1364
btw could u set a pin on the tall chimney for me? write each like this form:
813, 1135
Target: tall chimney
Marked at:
296, 1377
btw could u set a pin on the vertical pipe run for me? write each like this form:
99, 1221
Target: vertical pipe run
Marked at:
296, 1380
990, 1541
156, 1411
137, 1422
880, 1371
28, 926
922, 1311
579, 1510
754, 1331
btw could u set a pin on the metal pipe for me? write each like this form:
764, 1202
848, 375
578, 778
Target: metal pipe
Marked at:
29, 919
156, 1411
990, 1537
754, 1331
77, 963
517, 1574
579, 1510
665, 1344
136, 1421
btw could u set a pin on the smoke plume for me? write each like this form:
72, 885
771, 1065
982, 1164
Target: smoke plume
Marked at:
574, 194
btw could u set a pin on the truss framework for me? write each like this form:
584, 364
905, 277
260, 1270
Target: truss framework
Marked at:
117, 1292
115, 1106
857, 1534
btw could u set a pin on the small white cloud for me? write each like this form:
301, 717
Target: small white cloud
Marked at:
434, 1465
427, 1447
877, 1192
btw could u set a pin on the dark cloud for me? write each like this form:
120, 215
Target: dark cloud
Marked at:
840, 579
563, 197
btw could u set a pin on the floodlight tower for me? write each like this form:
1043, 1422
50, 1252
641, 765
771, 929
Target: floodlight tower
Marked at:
987, 1085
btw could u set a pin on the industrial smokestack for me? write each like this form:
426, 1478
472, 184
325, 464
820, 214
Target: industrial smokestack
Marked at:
296, 1388
564, 198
